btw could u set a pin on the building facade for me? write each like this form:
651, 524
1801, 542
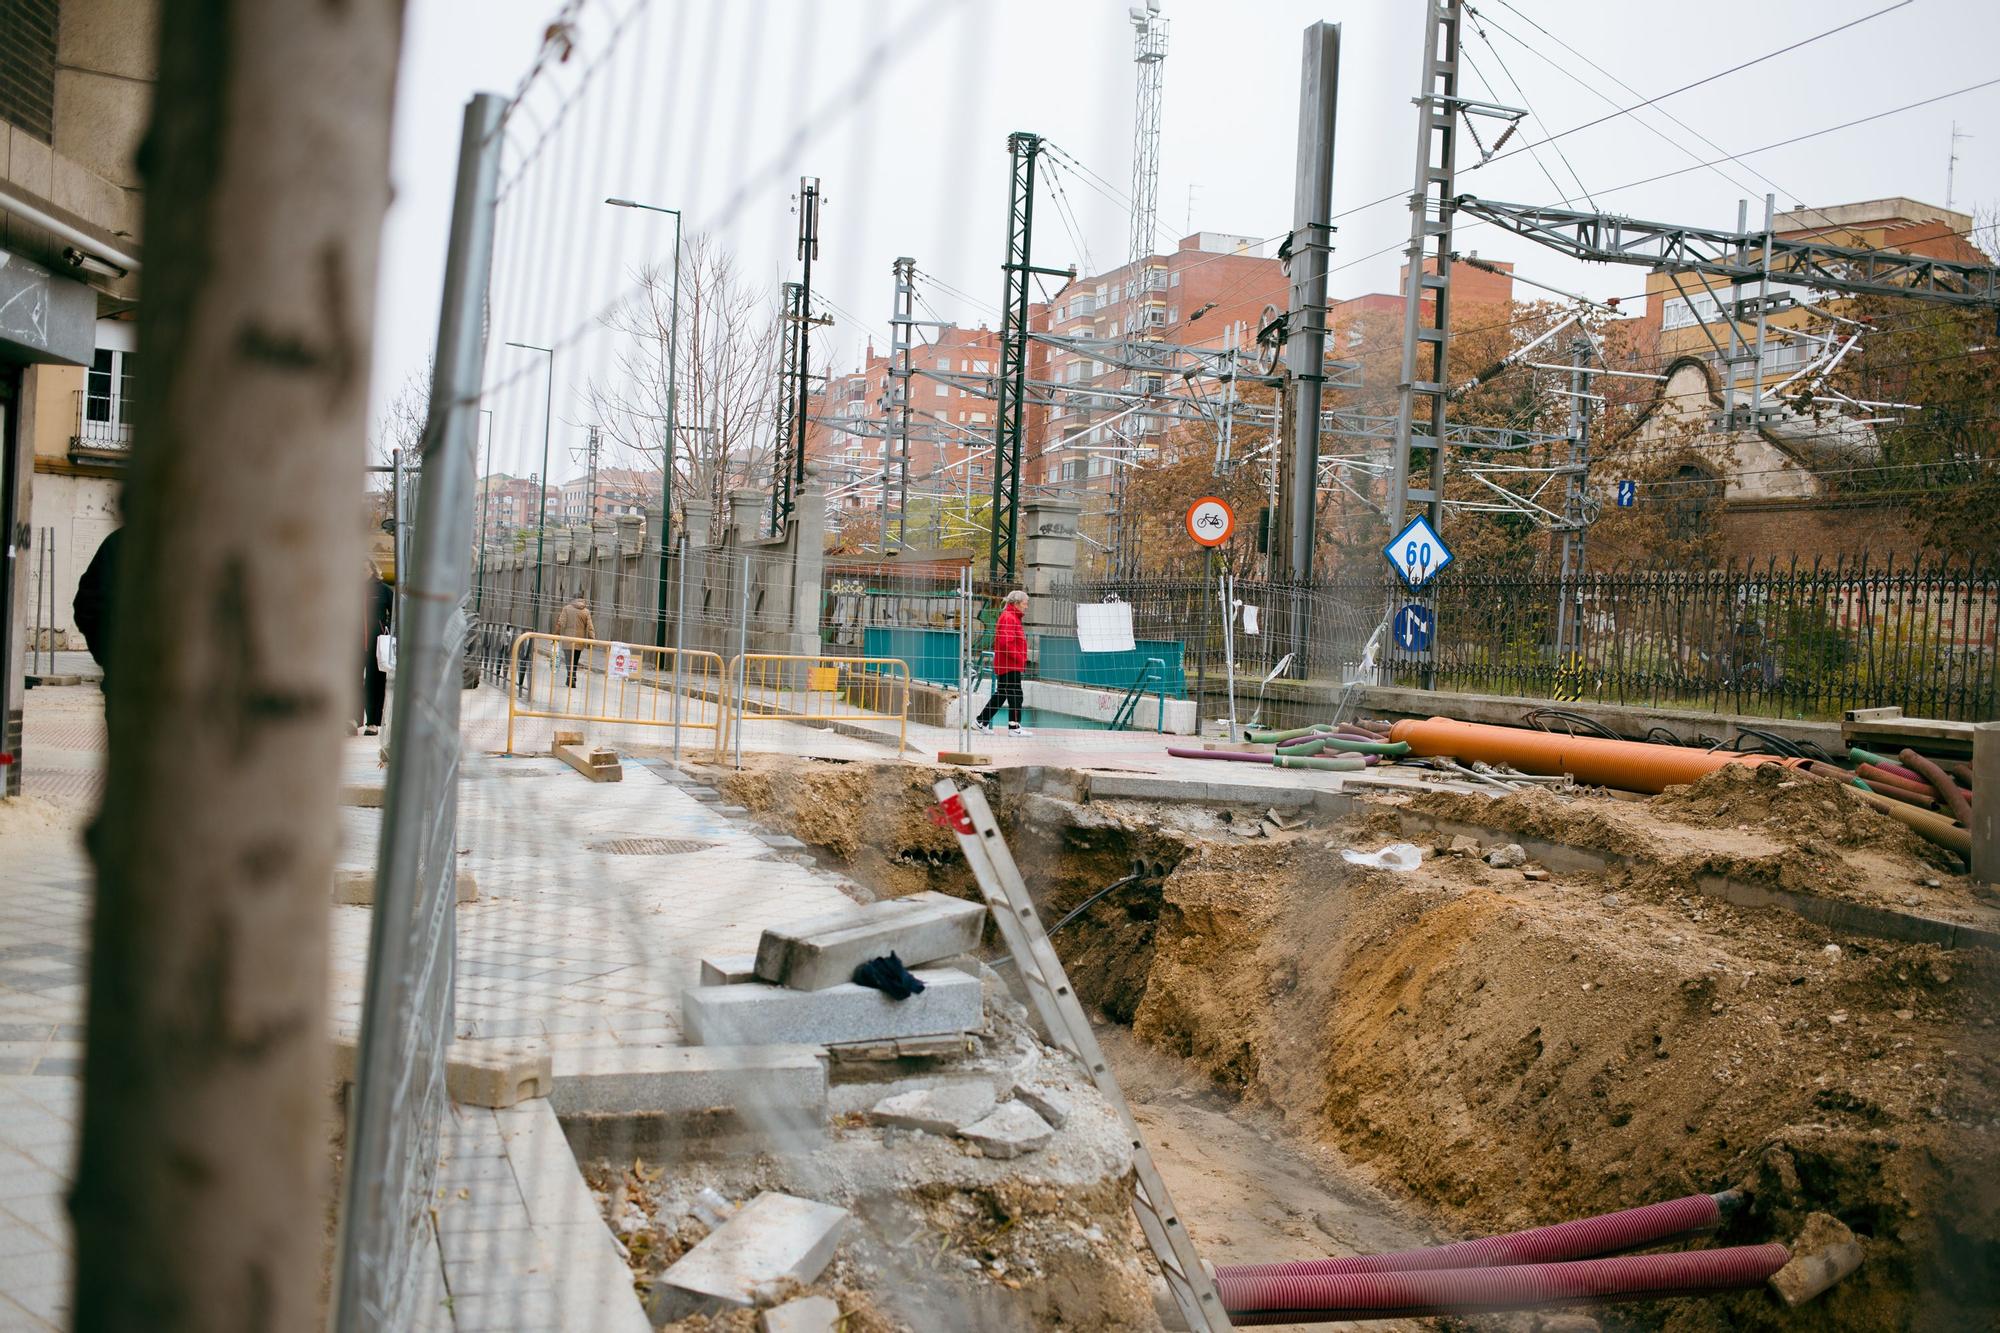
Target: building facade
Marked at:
76, 86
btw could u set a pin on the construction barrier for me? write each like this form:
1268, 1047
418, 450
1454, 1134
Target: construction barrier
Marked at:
816, 688
624, 684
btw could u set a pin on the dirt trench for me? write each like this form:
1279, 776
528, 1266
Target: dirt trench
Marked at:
1500, 1053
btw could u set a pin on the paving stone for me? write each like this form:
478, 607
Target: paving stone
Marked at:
497, 1074
729, 969
808, 1314
945, 1110
1012, 1129
367, 796
772, 1239
759, 1014
823, 951
355, 887
625, 1080
783, 842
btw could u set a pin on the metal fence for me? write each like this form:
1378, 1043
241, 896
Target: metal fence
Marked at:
1781, 639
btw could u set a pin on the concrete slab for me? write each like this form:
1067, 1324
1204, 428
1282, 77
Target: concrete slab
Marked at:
1011, 1130
1141, 787
808, 1314
614, 1080
823, 951
730, 969
354, 886
1049, 1104
759, 1014
943, 1110
497, 1074
772, 1239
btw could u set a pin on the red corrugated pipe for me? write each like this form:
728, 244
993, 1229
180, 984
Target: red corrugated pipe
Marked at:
1306, 1299
1654, 1224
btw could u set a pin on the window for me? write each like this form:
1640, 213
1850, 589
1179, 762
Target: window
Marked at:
28, 66
1680, 313
1173, 280
982, 367
978, 418
1174, 317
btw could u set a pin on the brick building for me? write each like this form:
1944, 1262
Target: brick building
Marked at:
620, 490
507, 503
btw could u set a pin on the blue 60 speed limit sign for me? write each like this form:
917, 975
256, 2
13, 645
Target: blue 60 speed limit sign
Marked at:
1210, 521
1417, 553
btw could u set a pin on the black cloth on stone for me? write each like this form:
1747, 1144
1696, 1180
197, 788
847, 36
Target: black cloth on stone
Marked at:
888, 975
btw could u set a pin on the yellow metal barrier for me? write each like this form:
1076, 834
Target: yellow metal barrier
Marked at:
626, 684
789, 687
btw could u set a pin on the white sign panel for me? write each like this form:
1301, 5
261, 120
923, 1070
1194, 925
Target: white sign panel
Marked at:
1104, 627
623, 664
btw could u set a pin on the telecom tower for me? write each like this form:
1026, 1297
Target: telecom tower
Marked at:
1149, 56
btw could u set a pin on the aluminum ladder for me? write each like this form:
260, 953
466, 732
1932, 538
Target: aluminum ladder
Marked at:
966, 813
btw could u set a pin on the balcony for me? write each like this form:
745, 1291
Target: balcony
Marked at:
103, 428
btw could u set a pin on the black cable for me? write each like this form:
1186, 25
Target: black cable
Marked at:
1539, 718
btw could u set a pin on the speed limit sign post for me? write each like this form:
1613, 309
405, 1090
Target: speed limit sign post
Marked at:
1210, 520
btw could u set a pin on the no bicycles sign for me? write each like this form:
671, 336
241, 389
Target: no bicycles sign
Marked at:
1210, 521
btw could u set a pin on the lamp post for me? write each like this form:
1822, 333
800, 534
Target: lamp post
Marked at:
542, 499
669, 449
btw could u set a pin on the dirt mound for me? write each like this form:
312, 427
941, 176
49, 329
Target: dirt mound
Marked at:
1571, 819
873, 818
1511, 1054
1797, 806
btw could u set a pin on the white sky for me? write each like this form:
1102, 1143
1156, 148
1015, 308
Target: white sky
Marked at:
718, 106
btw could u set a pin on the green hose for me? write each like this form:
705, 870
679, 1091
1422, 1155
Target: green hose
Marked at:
1303, 748
1861, 756
1280, 737
1347, 763
1388, 749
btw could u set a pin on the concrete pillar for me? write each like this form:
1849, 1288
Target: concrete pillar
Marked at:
746, 514
1986, 806
698, 520
1048, 545
602, 575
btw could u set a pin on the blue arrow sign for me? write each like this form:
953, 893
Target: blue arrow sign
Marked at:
1413, 628
1628, 494
1417, 553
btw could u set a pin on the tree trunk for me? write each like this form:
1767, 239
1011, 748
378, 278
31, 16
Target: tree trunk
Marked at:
198, 1200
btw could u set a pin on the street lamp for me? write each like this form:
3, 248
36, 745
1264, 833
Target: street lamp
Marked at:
667, 459
542, 501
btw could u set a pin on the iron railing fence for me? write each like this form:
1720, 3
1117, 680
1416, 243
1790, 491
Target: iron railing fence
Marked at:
1780, 638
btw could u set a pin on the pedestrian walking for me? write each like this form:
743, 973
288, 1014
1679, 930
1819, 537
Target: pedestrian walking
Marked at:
1010, 662
93, 608
574, 622
374, 680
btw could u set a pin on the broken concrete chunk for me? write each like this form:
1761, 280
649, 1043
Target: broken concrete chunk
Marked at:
1825, 1252
497, 1075
756, 1014
772, 1239
808, 1314
1508, 857
944, 1110
1012, 1129
823, 951
1463, 846
1047, 1103
1535, 876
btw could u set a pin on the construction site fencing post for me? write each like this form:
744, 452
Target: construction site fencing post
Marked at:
680, 623
742, 652
406, 1018
1227, 585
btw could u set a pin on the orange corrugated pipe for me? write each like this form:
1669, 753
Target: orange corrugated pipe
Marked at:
1630, 765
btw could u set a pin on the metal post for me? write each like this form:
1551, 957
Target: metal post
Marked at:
483, 498
406, 1019
680, 619
1228, 585
1763, 308
966, 673
35, 627
1305, 339
1569, 629
1730, 419
742, 651
396, 540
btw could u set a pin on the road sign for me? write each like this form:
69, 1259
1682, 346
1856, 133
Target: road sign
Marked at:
1628, 494
1413, 628
1210, 520
1417, 553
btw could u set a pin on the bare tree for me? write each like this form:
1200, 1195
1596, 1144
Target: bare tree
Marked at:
727, 375
200, 1179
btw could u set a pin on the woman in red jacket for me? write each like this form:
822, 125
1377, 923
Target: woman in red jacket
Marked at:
1010, 659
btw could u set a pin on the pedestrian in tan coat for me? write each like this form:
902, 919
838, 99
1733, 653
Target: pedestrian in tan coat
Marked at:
574, 622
